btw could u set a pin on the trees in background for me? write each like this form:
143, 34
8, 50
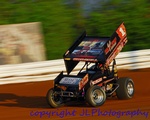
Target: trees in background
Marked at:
64, 20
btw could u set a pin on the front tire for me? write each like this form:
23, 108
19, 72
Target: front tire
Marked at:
126, 88
53, 99
95, 96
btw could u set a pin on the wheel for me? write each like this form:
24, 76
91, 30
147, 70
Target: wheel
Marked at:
53, 99
125, 89
95, 96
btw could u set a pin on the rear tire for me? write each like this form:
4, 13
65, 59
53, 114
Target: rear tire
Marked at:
53, 99
95, 96
125, 89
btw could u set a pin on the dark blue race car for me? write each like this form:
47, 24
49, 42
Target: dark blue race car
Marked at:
98, 78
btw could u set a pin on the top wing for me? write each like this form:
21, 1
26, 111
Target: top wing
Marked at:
95, 49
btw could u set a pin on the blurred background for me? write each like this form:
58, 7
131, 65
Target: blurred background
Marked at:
63, 21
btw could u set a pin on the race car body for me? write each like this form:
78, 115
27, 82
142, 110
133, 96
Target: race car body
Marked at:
96, 80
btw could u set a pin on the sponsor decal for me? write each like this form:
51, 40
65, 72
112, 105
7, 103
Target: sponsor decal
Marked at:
96, 81
109, 60
121, 31
116, 51
111, 45
85, 59
67, 58
70, 80
83, 82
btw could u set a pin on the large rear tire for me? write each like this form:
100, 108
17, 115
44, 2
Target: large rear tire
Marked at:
125, 89
95, 96
53, 99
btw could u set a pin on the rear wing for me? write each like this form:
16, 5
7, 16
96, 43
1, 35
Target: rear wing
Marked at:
95, 49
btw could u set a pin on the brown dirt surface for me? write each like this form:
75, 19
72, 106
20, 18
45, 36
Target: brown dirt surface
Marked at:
27, 101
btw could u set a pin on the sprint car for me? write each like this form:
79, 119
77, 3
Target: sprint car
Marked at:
97, 79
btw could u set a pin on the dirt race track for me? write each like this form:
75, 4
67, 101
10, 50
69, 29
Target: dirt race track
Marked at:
26, 101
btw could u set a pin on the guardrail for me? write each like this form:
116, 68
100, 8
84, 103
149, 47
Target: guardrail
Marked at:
48, 70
